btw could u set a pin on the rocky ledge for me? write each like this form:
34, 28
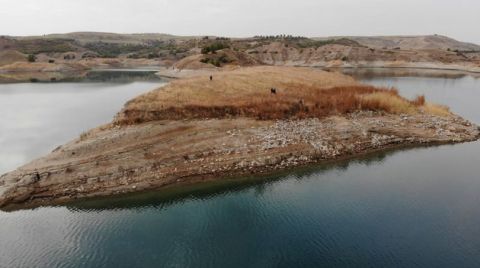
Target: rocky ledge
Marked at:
161, 153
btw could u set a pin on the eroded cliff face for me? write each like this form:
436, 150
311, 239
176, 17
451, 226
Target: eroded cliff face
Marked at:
157, 154
335, 55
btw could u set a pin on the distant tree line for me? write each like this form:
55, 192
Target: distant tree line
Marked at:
112, 50
280, 36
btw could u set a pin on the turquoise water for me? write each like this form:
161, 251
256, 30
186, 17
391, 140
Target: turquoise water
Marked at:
408, 208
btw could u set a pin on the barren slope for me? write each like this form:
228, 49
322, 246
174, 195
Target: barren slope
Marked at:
415, 42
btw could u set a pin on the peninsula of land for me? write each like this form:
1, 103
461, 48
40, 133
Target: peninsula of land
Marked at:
250, 120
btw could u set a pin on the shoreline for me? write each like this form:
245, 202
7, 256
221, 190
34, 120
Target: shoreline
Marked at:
94, 173
185, 73
22, 76
221, 181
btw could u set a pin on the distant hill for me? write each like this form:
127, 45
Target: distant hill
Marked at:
414, 42
389, 42
198, 52
11, 56
91, 37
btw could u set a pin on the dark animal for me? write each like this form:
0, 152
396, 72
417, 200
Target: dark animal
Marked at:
273, 90
211, 77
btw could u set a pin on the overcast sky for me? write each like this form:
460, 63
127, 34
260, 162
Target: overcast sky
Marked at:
459, 19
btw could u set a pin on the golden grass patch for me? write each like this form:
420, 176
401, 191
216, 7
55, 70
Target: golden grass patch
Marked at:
436, 109
246, 92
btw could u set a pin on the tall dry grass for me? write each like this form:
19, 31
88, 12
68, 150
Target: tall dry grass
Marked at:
301, 93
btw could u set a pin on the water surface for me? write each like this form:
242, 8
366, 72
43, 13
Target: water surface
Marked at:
409, 208
37, 117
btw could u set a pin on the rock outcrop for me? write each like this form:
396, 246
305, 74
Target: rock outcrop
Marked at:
162, 153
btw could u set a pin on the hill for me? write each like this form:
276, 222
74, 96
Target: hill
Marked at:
91, 37
11, 56
415, 42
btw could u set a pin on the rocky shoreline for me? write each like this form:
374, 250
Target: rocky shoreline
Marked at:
438, 68
124, 159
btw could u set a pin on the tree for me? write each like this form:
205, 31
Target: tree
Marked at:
31, 58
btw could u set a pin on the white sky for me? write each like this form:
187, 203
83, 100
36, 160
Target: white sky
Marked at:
459, 19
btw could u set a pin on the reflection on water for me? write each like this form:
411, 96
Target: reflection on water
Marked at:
374, 73
369, 213
120, 76
409, 208
166, 197
102, 75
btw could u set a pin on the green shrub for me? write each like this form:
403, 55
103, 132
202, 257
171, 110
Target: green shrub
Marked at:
214, 47
218, 61
31, 58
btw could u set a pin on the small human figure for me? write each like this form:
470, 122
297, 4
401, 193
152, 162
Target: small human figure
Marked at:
273, 90
211, 77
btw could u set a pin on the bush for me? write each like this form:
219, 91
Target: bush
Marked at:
152, 56
214, 47
216, 61
31, 58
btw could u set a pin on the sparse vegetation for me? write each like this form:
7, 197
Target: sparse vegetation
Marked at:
309, 43
216, 61
113, 50
37, 46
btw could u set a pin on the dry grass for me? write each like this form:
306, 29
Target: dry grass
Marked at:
387, 101
436, 109
301, 93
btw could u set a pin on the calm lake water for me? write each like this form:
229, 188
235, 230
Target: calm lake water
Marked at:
36, 118
409, 208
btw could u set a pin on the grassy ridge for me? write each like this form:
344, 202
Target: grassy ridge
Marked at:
301, 93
